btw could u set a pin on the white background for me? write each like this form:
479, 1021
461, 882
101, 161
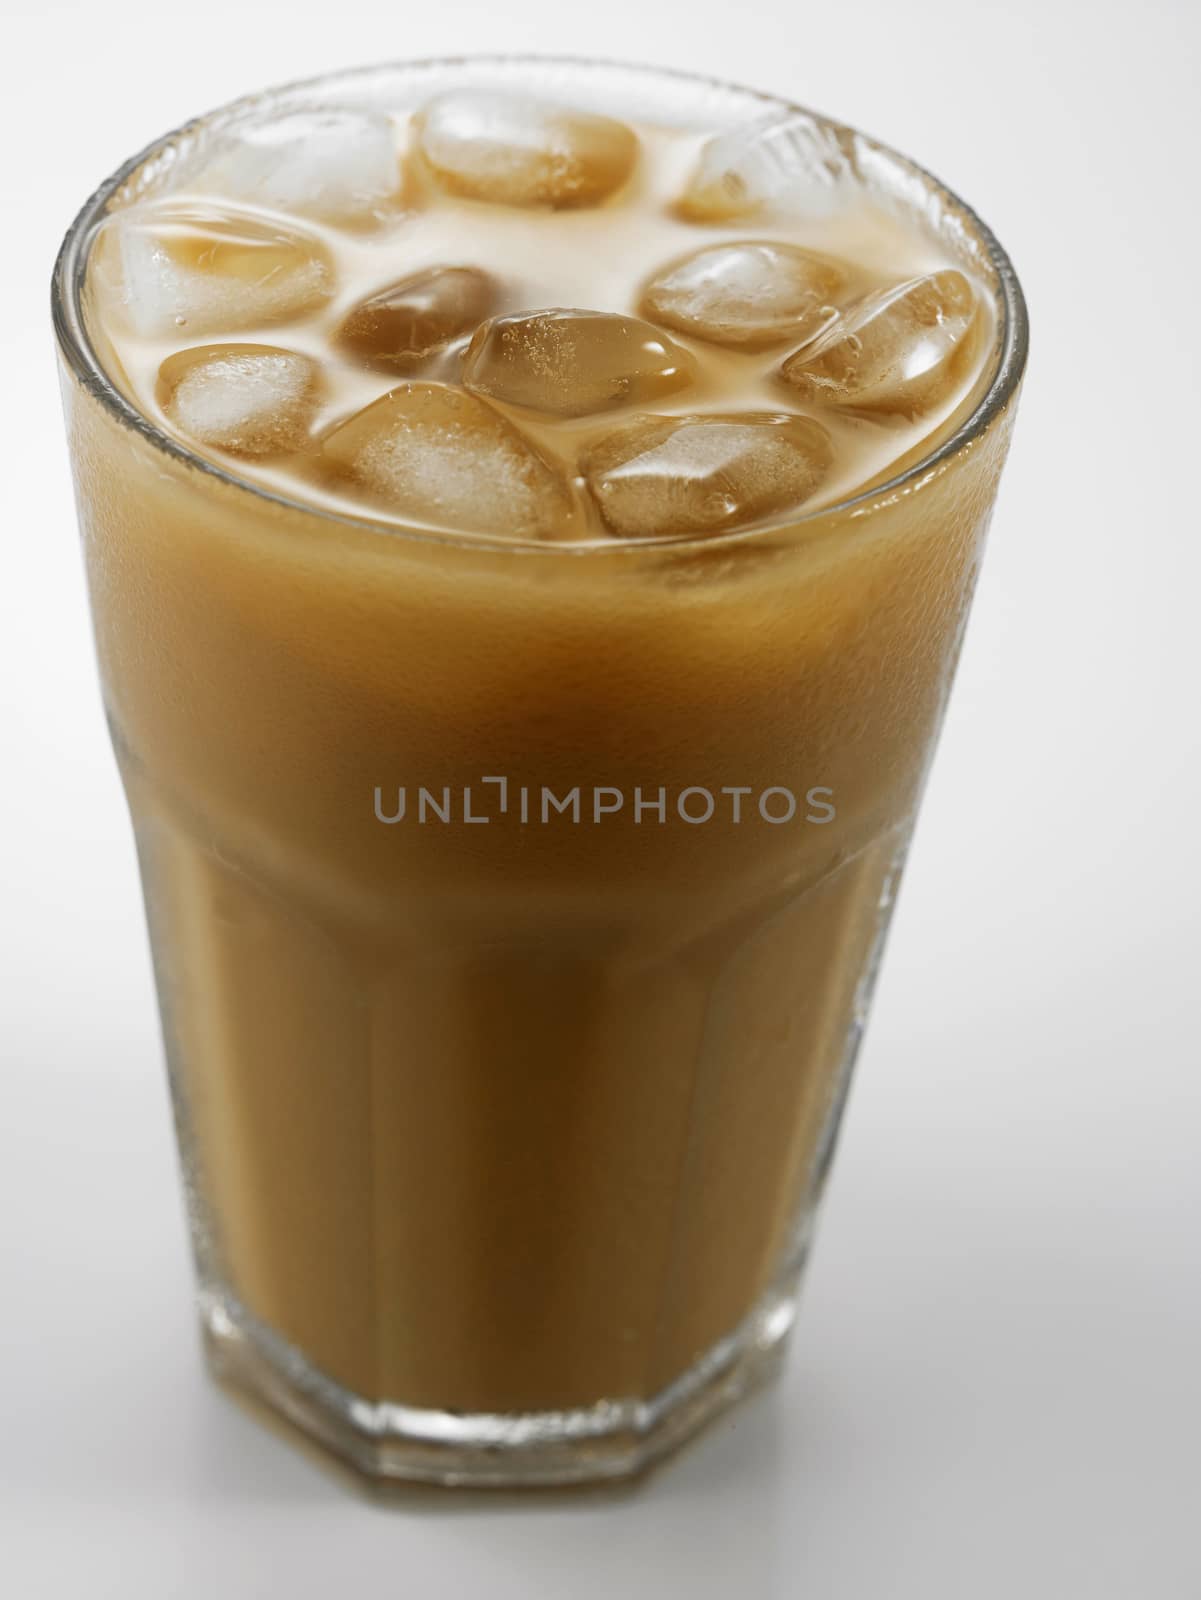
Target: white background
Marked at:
995, 1387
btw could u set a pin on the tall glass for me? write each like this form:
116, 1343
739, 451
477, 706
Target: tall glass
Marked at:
515, 908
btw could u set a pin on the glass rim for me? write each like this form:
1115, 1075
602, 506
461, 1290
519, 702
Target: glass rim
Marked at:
69, 278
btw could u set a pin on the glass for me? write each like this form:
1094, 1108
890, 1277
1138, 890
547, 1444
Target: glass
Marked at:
502, 1142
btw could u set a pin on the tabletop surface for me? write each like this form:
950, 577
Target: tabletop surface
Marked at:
994, 1388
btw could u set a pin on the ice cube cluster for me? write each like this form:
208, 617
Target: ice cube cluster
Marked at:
474, 434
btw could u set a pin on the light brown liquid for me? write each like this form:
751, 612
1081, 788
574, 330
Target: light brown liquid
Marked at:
524, 1115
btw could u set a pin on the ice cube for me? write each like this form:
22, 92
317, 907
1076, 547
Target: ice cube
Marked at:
572, 363
748, 294
333, 165
431, 453
519, 151
785, 160
248, 399
705, 474
900, 351
202, 269
417, 315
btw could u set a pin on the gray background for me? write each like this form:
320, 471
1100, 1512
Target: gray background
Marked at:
994, 1389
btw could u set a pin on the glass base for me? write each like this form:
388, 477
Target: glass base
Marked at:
612, 1439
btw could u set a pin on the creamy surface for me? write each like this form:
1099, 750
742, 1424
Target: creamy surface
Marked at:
596, 257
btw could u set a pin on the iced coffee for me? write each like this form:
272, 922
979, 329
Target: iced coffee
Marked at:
531, 512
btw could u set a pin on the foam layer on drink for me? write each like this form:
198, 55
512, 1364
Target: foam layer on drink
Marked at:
500, 316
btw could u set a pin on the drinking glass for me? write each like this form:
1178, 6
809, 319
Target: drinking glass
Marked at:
503, 1122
